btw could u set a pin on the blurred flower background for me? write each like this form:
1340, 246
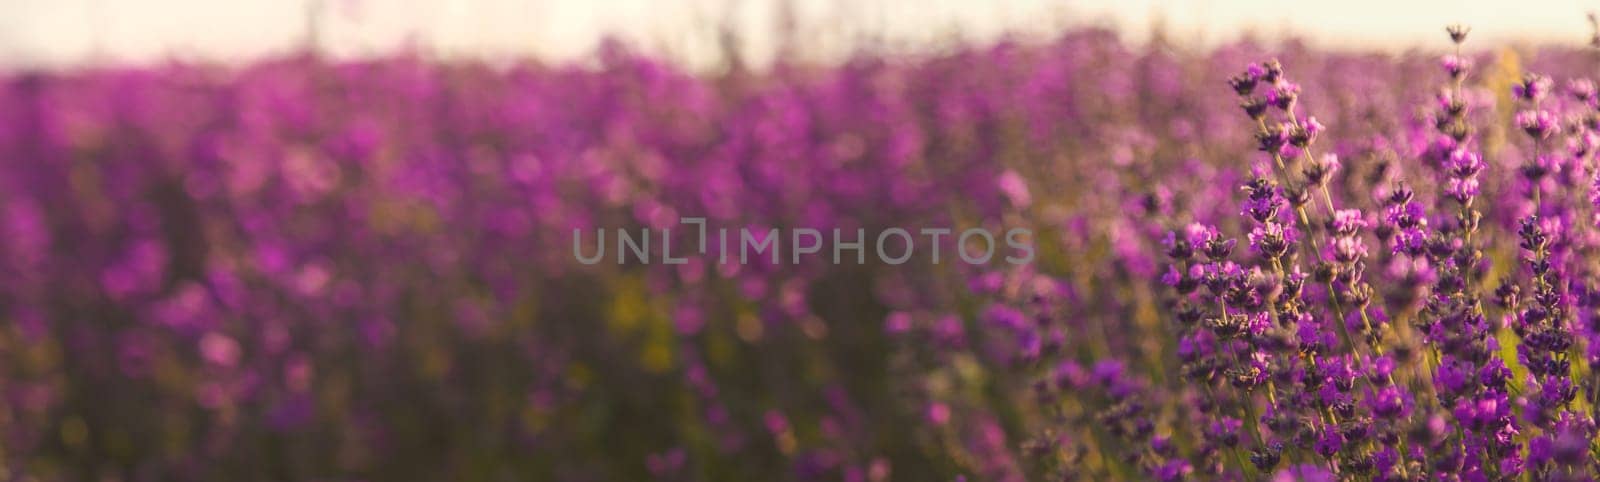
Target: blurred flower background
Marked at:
332, 240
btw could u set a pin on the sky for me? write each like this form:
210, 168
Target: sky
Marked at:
55, 33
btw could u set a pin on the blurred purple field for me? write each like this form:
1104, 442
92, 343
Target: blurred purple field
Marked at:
300, 269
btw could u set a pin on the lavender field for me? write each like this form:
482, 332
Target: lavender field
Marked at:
1259, 261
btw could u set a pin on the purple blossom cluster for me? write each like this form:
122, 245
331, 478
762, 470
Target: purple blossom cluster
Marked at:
1329, 266
1297, 340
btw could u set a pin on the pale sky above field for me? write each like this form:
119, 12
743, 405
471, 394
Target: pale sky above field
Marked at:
75, 32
